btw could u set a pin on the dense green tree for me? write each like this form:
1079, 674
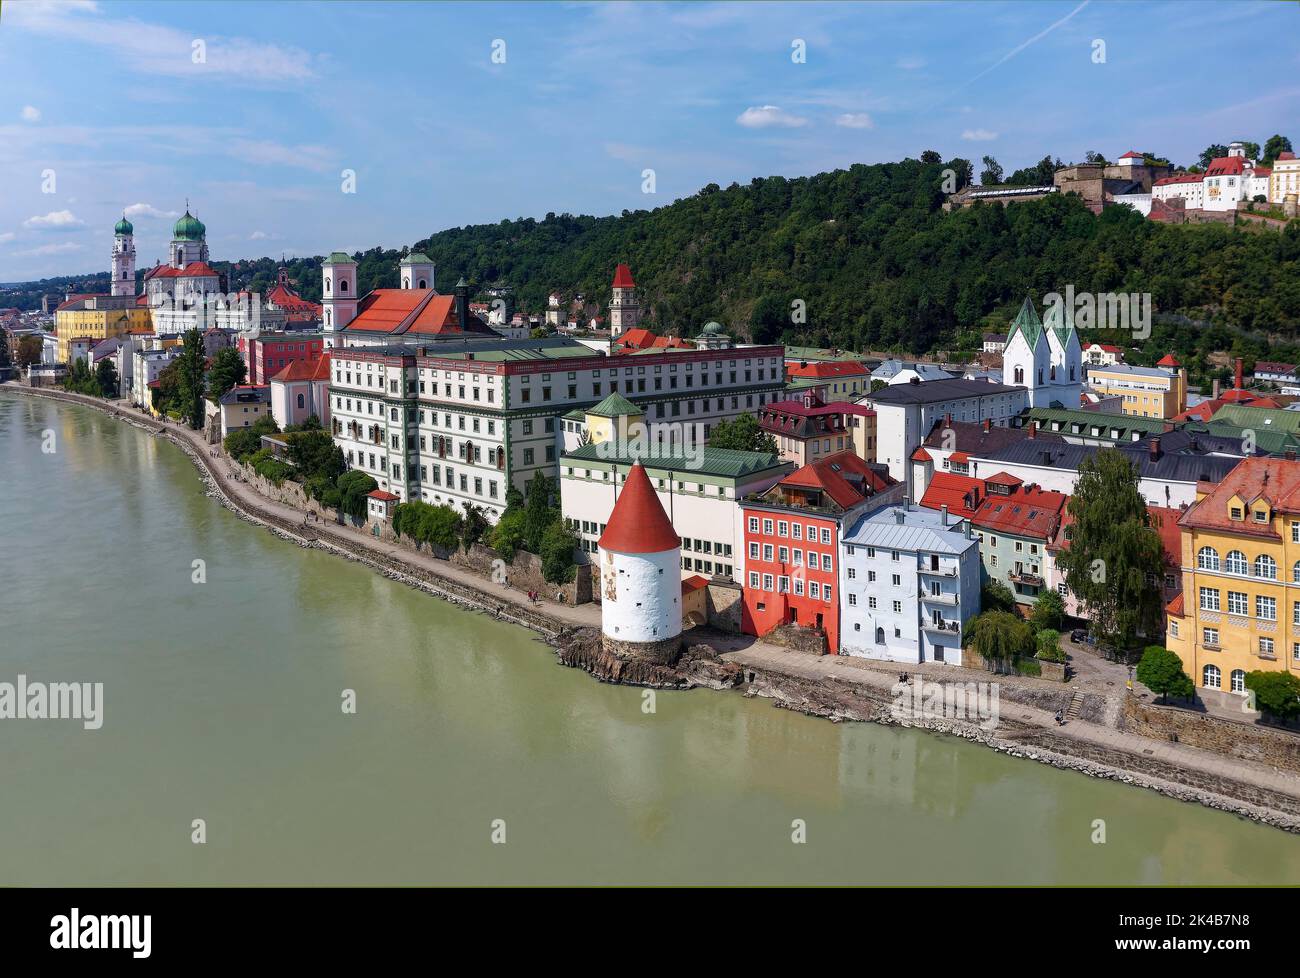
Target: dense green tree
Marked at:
991, 175
1212, 152
1276, 693
996, 596
1049, 611
314, 453
1048, 642
353, 488
473, 525
106, 378
1115, 560
190, 384
742, 434
29, 351
559, 544
228, 371
1161, 671
1001, 638
1092, 156
1041, 174
80, 380
242, 443
1274, 147
539, 511
930, 156
425, 523
508, 537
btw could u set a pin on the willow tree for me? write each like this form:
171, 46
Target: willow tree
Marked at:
1114, 562
190, 386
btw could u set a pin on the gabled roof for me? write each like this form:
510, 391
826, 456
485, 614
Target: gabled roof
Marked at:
413, 311
298, 370
1277, 479
638, 524
1026, 322
623, 277
1168, 360
1026, 511
382, 496
961, 494
615, 406
845, 478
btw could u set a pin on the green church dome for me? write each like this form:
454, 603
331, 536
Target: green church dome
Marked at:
189, 228
123, 226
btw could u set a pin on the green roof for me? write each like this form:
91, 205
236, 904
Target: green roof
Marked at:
725, 462
1274, 442
1125, 423
614, 406
1027, 322
416, 258
188, 228
123, 226
813, 353
339, 257
1258, 419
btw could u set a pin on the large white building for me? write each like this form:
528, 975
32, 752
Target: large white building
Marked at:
909, 583
460, 422
905, 414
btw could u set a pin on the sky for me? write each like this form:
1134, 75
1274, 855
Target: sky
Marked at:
452, 114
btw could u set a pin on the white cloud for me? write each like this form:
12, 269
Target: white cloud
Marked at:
855, 120
160, 50
267, 152
7, 236
766, 116
979, 135
52, 249
31, 113
258, 236
148, 210
910, 64
55, 220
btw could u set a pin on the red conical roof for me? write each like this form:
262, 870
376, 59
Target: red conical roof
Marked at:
638, 524
623, 277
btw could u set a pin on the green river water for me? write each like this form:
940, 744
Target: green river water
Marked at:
222, 703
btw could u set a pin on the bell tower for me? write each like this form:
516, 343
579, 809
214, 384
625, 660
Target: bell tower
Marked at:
123, 258
338, 296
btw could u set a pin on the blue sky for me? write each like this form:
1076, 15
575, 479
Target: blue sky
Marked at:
108, 97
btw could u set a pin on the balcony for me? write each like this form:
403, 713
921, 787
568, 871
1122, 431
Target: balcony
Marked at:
941, 626
1023, 577
939, 571
948, 598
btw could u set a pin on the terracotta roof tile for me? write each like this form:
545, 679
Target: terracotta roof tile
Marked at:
638, 524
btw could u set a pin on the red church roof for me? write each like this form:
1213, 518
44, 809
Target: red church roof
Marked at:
623, 277
638, 524
1168, 360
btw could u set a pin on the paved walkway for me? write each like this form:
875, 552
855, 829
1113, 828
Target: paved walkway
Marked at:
1193, 758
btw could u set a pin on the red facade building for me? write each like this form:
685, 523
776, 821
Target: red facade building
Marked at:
792, 538
268, 353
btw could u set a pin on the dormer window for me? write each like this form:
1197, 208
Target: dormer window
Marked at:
1235, 513
1261, 516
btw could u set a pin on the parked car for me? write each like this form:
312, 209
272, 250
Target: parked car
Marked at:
1079, 635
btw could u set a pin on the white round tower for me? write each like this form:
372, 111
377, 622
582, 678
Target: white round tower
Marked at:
640, 576
123, 258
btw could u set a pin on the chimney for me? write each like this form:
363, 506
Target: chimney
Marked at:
943, 514
1214, 391
968, 530
462, 304
1153, 449
1239, 385
898, 516
947, 420
1290, 454
1033, 429
988, 424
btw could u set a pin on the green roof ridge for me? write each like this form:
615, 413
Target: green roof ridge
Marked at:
1026, 322
416, 257
614, 406
339, 256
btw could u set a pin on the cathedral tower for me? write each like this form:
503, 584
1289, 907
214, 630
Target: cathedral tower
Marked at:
338, 295
624, 310
123, 258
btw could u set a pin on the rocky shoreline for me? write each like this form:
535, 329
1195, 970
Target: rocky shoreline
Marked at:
700, 666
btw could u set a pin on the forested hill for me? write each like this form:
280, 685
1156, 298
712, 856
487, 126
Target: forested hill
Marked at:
877, 260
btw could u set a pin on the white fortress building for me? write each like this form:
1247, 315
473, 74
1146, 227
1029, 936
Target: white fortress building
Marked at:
640, 584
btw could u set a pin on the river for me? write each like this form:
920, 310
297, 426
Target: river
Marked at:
223, 702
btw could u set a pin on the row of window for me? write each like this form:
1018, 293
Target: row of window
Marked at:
1239, 604
786, 528
781, 584
1207, 558
783, 555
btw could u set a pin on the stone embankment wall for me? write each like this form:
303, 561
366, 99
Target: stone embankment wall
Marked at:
798, 638
1248, 741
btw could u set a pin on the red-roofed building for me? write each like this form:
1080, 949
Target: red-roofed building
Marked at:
380, 504
960, 493
807, 428
1168, 360
300, 390
297, 310
414, 316
836, 380
640, 338
1016, 522
1103, 354
266, 354
792, 536
624, 307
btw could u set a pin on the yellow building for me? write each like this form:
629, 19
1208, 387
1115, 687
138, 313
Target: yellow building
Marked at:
1240, 607
1285, 178
1146, 392
96, 318
615, 419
